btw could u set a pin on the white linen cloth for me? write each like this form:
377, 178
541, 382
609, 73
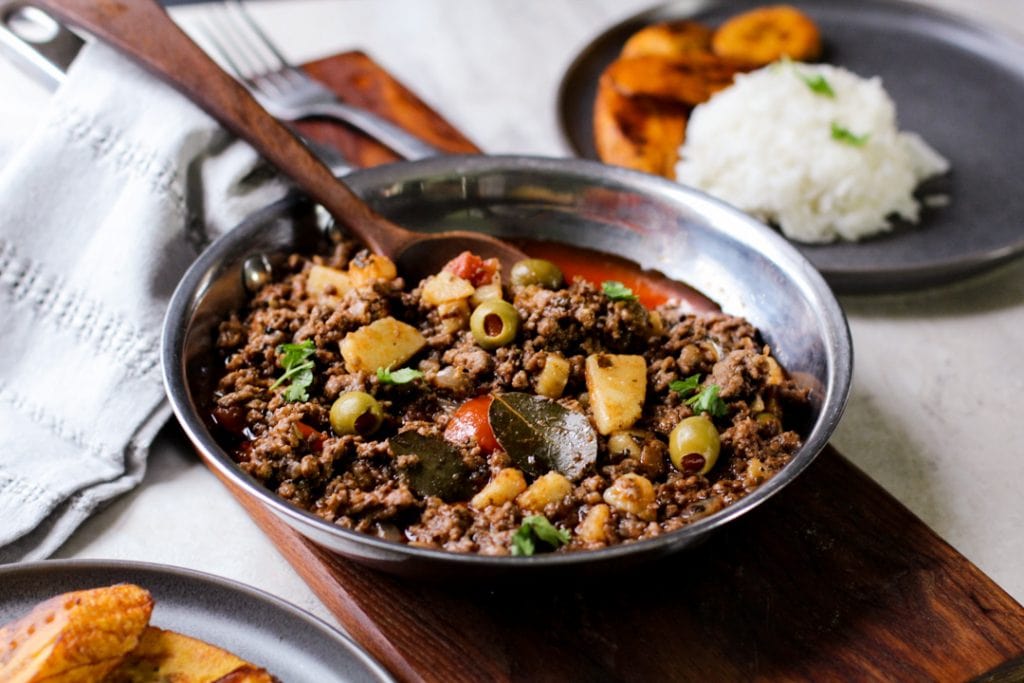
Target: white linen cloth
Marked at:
102, 208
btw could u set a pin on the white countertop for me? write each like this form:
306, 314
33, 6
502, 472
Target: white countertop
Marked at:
936, 373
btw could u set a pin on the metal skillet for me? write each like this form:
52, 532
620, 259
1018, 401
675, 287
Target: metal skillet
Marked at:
746, 268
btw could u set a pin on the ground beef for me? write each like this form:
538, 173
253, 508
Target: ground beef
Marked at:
358, 483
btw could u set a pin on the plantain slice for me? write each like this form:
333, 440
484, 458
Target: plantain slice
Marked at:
76, 637
247, 674
168, 656
669, 39
688, 80
636, 133
766, 34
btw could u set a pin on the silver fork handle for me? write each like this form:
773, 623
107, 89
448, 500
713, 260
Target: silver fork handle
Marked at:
403, 143
48, 61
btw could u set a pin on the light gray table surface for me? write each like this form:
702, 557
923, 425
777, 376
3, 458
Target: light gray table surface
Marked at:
935, 411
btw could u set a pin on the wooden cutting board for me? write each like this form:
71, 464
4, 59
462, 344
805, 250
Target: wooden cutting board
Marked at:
832, 579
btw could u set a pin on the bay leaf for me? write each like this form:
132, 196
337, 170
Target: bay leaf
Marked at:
541, 435
440, 470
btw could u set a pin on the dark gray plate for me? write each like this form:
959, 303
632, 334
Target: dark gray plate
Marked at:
957, 84
291, 644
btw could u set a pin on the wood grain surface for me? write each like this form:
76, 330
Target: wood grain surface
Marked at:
831, 580
363, 83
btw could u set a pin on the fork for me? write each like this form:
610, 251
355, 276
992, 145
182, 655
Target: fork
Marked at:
287, 92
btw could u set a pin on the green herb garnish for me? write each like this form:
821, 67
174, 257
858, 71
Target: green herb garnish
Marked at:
616, 291
298, 368
402, 376
707, 401
818, 84
537, 528
845, 136
685, 387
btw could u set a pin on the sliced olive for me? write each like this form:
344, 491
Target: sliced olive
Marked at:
494, 323
536, 271
356, 412
693, 445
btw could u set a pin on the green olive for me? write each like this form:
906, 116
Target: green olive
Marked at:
693, 445
536, 271
494, 323
356, 412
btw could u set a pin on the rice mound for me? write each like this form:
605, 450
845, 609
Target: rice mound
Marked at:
768, 145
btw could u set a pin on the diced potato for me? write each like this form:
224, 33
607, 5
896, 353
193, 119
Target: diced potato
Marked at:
485, 293
655, 322
454, 315
550, 488
594, 527
323, 280
445, 286
383, 343
371, 269
775, 376
617, 385
505, 486
755, 473
633, 494
552, 379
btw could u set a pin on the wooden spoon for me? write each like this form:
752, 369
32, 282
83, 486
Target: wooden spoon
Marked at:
142, 30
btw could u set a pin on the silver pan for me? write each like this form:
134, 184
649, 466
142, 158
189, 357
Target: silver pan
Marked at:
744, 266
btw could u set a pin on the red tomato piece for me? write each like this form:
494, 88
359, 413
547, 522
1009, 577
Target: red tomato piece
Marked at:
244, 452
231, 419
469, 266
313, 437
470, 421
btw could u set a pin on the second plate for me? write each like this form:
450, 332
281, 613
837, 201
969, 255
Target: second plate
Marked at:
959, 85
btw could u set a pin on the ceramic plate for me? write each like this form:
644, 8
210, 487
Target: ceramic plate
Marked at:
958, 84
290, 643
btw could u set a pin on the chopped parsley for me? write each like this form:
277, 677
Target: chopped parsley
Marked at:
298, 368
537, 528
401, 376
616, 291
818, 84
685, 387
845, 136
708, 401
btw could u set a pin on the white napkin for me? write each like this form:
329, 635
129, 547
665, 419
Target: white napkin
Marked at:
102, 208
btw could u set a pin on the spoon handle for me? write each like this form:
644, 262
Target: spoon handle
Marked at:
142, 30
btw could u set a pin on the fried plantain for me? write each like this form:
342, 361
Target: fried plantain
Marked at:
766, 34
76, 637
247, 674
669, 39
636, 133
689, 80
168, 656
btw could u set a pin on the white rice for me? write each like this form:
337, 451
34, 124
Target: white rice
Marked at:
768, 145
